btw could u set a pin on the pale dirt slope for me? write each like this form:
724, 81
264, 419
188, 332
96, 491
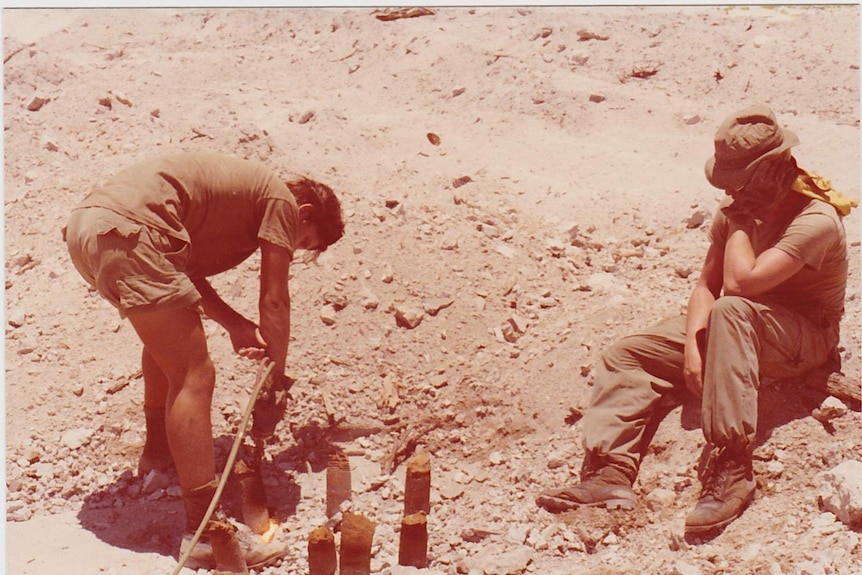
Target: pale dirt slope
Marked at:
555, 130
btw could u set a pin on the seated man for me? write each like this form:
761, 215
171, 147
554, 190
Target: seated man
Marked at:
768, 302
146, 240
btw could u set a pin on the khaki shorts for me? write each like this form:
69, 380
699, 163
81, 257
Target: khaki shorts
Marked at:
135, 267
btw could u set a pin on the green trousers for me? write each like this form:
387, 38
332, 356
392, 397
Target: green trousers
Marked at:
745, 340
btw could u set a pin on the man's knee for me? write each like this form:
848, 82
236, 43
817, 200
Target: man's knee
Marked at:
731, 306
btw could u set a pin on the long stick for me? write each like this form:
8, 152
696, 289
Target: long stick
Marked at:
262, 376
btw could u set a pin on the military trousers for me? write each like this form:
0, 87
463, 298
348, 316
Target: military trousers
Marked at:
745, 340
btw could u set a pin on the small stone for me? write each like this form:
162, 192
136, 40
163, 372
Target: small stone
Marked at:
17, 318
36, 103
697, 219
122, 99
660, 498
75, 438
458, 182
831, 408
408, 317
327, 314
155, 481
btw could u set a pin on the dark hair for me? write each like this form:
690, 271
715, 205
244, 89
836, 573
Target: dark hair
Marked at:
326, 215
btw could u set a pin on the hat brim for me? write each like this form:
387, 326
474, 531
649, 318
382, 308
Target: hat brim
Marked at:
735, 179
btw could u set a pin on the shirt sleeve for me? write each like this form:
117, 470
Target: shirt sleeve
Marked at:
279, 223
809, 237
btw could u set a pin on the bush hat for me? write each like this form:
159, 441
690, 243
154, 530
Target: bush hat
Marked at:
743, 140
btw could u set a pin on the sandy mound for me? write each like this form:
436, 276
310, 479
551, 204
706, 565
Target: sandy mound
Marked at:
562, 207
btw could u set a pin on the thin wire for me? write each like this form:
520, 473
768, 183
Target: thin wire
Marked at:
261, 379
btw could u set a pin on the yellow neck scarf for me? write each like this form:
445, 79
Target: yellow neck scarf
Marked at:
814, 186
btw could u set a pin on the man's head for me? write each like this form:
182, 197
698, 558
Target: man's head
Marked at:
744, 140
319, 213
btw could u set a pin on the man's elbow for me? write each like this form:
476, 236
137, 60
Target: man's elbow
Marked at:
740, 287
275, 303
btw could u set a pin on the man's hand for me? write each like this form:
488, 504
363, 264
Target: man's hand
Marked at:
247, 340
745, 209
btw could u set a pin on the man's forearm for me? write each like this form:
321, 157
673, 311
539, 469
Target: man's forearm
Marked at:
700, 305
214, 307
739, 259
275, 329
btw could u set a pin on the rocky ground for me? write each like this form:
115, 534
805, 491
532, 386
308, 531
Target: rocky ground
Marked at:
522, 186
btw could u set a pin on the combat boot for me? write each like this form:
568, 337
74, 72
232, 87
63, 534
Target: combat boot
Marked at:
728, 488
223, 545
607, 487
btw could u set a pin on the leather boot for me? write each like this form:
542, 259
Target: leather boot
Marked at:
607, 487
224, 545
728, 488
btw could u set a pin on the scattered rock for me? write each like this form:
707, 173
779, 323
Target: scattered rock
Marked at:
698, 218
458, 182
585, 35
407, 316
831, 408
327, 314
36, 103
75, 438
841, 492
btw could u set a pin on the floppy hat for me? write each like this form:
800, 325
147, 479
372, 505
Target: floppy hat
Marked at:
744, 139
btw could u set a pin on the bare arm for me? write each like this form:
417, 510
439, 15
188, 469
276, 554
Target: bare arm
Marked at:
244, 335
746, 275
703, 296
274, 302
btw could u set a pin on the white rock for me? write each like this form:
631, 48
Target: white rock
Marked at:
497, 559
604, 283
683, 568
660, 498
841, 492
327, 315
75, 438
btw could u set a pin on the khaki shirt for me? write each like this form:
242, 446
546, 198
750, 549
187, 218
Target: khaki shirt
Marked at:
817, 237
220, 206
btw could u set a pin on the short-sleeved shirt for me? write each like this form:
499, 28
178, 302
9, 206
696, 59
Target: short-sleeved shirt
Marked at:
220, 205
817, 237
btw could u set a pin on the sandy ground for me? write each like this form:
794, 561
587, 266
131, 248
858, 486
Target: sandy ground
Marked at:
583, 132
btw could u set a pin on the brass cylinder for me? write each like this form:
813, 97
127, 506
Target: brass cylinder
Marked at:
413, 545
337, 481
417, 485
357, 535
322, 559
255, 512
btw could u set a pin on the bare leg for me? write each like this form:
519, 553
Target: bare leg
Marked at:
176, 342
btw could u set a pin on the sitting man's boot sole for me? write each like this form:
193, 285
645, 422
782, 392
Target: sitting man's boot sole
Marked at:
565, 500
